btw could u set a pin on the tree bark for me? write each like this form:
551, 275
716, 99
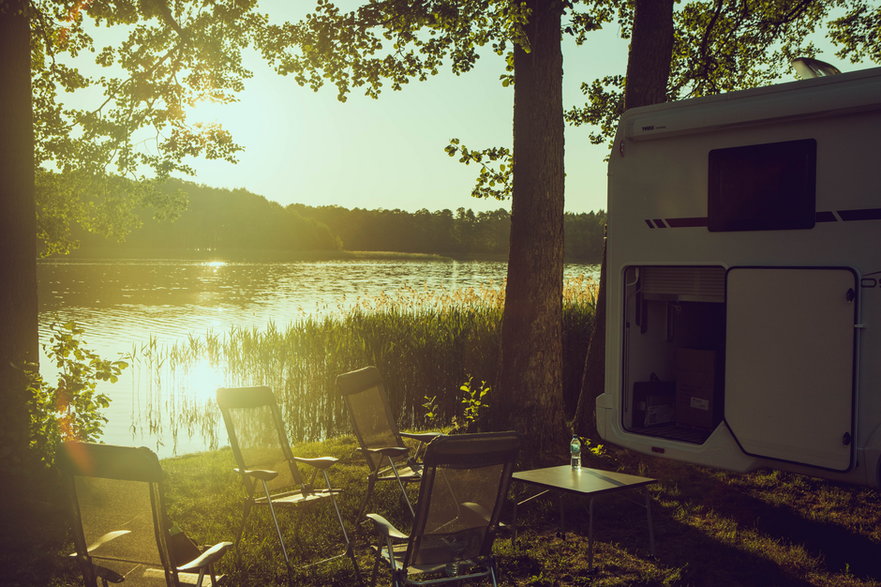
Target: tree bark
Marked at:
529, 395
651, 51
648, 70
18, 273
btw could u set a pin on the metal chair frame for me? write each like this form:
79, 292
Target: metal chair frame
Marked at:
305, 492
403, 551
392, 462
123, 463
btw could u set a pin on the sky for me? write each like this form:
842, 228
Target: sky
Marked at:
307, 147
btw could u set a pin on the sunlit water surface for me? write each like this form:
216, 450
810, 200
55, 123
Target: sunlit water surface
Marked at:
124, 304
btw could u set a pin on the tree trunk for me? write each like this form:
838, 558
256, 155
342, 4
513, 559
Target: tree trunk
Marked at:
18, 294
651, 51
648, 70
529, 395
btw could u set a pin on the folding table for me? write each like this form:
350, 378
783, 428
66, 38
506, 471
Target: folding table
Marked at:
588, 482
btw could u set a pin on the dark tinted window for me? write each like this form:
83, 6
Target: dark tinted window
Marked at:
763, 187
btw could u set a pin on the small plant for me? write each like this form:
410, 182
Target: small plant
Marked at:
431, 410
473, 401
71, 409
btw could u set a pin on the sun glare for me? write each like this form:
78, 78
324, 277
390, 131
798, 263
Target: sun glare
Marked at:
214, 265
203, 378
207, 111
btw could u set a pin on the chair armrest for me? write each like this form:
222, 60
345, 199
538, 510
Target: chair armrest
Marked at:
207, 558
390, 451
103, 540
385, 528
317, 462
421, 436
261, 474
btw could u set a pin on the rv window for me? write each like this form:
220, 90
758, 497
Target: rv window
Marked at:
763, 187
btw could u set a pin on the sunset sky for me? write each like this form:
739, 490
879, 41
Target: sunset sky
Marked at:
303, 146
307, 147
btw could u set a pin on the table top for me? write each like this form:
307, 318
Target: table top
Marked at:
584, 480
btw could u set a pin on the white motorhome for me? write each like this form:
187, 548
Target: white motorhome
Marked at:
744, 280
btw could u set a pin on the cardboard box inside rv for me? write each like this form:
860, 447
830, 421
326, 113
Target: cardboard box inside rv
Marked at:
654, 403
698, 386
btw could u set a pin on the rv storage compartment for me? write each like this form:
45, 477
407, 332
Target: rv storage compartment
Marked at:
674, 332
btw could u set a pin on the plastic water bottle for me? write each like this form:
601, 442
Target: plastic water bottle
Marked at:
575, 452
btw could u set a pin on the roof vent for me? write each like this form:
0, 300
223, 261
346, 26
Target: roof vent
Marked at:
806, 68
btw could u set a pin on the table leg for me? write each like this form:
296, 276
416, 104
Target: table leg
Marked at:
590, 537
648, 513
562, 514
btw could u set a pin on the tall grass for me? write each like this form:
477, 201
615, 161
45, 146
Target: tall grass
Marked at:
425, 344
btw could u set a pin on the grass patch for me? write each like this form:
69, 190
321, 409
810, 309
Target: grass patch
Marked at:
712, 528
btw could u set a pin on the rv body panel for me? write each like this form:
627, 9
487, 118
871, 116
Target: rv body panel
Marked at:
735, 221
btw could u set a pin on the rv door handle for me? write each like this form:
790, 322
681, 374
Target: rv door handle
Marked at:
845, 440
851, 295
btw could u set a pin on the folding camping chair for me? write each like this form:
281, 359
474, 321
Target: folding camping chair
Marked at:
464, 484
266, 465
388, 458
120, 527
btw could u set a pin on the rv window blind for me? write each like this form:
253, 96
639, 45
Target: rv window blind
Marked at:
770, 186
683, 284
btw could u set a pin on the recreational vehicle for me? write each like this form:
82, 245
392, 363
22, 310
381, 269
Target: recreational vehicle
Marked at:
744, 280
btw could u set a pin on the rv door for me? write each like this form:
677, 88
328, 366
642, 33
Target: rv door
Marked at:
789, 363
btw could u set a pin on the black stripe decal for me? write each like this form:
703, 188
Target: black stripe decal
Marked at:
686, 222
824, 216
864, 214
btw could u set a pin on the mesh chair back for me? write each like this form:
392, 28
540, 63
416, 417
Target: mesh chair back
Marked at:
257, 435
465, 481
365, 396
116, 501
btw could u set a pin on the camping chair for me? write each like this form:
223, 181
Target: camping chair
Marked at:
464, 484
268, 469
378, 436
120, 529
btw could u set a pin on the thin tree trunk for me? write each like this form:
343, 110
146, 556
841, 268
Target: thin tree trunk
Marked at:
648, 70
529, 395
18, 294
18, 281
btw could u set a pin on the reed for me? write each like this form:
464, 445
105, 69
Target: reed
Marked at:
424, 343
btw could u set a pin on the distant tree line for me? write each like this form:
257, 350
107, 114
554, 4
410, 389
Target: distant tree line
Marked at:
237, 223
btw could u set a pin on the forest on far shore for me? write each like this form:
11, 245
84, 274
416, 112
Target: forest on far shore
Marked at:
238, 224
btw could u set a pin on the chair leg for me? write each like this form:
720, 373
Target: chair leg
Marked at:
492, 573
284, 550
350, 550
401, 485
376, 562
371, 482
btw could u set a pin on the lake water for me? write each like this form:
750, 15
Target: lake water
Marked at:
123, 304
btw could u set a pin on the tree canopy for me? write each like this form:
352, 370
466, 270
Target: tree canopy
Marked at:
120, 110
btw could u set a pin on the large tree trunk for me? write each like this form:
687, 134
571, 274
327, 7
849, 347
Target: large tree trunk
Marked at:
529, 395
18, 292
648, 70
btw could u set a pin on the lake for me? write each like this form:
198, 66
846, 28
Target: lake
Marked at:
126, 304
